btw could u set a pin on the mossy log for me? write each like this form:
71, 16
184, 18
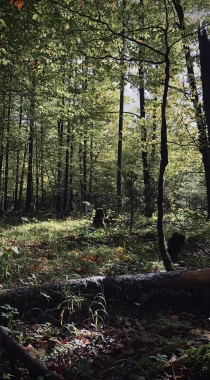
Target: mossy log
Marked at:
123, 288
194, 285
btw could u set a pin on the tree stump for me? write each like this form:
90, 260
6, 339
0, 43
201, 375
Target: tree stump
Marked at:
175, 244
98, 220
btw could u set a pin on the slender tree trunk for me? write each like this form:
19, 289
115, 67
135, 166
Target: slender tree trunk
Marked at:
148, 211
121, 115
37, 178
83, 169
164, 158
203, 138
84, 159
66, 175
18, 160
204, 47
22, 179
29, 189
42, 170
91, 168
2, 132
81, 173
59, 169
71, 195
154, 129
6, 171
120, 147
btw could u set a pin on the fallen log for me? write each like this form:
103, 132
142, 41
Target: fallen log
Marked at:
194, 285
126, 287
16, 352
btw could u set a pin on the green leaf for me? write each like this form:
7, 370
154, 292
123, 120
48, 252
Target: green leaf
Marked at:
3, 22
35, 16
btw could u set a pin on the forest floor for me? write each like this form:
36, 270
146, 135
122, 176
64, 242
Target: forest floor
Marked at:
104, 340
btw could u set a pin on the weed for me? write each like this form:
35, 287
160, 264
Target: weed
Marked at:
199, 361
72, 302
8, 314
97, 309
147, 366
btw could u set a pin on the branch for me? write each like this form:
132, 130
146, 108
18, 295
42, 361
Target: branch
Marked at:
104, 23
16, 352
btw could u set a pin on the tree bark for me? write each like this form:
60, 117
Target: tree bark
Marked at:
164, 159
59, 168
66, 175
18, 158
203, 138
6, 170
119, 150
123, 288
204, 47
2, 148
148, 201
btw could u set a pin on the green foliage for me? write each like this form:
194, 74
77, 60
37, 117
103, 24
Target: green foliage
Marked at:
147, 366
8, 313
199, 361
69, 74
97, 310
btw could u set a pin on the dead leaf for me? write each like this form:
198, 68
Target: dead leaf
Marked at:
31, 351
174, 318
204, 333
178, 363
172, 359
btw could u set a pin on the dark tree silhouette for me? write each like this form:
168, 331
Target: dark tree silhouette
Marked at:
175, 244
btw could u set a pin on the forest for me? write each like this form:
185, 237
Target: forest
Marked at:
105, 189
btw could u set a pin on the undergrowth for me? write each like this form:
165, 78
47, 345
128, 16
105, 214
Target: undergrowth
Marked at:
34, 251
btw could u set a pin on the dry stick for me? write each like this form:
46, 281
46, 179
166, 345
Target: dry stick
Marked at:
16, 352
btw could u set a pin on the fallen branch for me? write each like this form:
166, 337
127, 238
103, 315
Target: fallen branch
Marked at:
16, 352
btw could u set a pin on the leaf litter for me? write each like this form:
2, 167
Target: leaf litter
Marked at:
110, 342
134, 343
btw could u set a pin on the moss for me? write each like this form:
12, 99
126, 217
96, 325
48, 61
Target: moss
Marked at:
199, 361
146, 366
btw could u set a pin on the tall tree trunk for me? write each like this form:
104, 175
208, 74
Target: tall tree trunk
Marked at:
91, 168
29, 186
6, 171
2, 132
203, 138
148, 210
83, 169
119, 151
204, 46
164, 157
59, 169
42, 170
22, 179
71, 195
29, 189
18, 159
66, 175
81, 173
37, 177
120, 127
84, 159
